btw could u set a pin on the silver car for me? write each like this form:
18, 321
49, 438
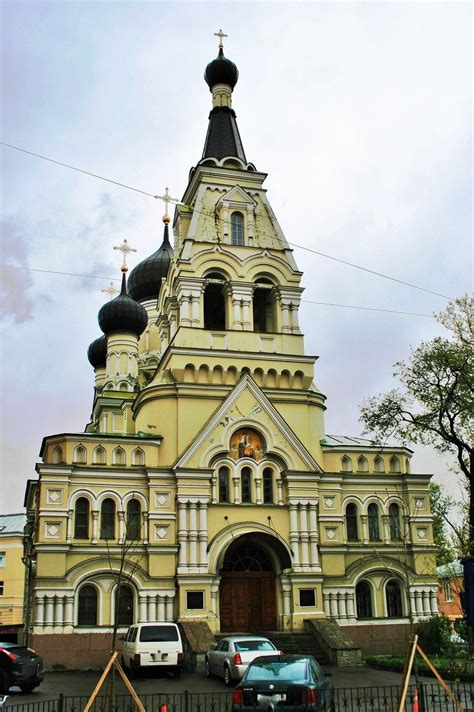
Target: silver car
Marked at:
233, 655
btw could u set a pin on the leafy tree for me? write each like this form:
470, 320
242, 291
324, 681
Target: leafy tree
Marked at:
435, 405
450, 526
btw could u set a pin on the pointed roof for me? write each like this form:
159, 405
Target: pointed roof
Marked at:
145, 279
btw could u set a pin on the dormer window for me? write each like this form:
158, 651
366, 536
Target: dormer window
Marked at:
237, 228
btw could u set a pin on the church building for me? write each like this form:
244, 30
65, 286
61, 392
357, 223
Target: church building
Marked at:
205, 478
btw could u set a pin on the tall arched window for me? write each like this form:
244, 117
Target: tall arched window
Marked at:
124, 604
363, 600
81, 518
214, 302
237, 228
394, 522
393, 596
134, 512
118, 456
99, 456
57, 455
394, 464
378, 464
268, 485
263, 306
87, 605
351, 522
362, 464
138, 457
246, 484
374, 527
224, 484
107, 519
346, 464
80, 455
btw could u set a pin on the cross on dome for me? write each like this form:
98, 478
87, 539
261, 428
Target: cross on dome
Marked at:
110, 290
125, 249
221, 36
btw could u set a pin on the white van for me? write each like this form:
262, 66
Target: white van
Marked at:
153, 645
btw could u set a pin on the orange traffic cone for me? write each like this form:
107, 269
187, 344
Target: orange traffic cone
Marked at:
415, 701
164, 708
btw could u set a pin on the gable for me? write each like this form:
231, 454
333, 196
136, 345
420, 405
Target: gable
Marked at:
236, 197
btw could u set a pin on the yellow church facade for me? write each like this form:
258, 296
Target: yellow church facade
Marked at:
205, 480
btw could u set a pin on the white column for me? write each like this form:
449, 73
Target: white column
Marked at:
365, 534
95, 525
142, 606
295, 327
280, 491
170, 607
49, 610
246, 325
333, 604
121, 526
258, 490
182, 534
195, 309
426, 603
236, 481
236, 313
145, 528
39, 618
304, 537
326, 605
184, 310
161, 607
285, 316
433, 602
203, 536
350, 605
58, 610
419, 602
69, 526
151, 607
214, 489
286, 601
341, 605
192, 534
69, 611
294, 537
313, 534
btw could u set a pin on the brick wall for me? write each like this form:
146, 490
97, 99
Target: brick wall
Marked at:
380, 639
73, 651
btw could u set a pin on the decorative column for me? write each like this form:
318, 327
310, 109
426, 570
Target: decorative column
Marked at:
151, 607
121, 526
386, 528
419, 603
184, 319
161, 607
350, 605
95, 525
285, 316
182, 535
170, 607
433, 602
69, 611
58, 610
326, 605
313, 534
342, 605
236, 314
192, 535
295, 327
365, 533
294, 538
258, 490
203, 535
49, 610
304, 536
142, 607
39, 618
214, 489
333, 604
426, 603
286, 600
146, 528
280, 492
70, 513
236, 481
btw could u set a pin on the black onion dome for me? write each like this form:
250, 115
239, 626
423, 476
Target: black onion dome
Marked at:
145, 279
221, 71
123, 314
97, 352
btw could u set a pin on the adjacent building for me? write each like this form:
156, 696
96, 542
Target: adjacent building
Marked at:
12, 576
205, 481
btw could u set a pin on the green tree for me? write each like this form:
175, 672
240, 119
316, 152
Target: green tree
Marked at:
450, 526
435, 404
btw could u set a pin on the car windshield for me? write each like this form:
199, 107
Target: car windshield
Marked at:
276, 670
158, 633
244, 646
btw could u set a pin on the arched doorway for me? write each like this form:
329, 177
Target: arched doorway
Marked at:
248, 588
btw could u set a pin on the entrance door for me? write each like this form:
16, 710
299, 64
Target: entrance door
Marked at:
247, 590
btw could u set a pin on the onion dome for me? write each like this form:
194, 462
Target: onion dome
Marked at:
145, 279
123, 314
221, 71
97, 352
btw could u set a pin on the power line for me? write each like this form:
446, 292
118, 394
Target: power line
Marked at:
306, 301
215, 217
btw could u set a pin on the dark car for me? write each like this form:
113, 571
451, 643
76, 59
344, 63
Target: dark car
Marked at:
19, 666
290, 683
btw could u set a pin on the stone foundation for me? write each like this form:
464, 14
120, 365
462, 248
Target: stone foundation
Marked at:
73, 651
380, 639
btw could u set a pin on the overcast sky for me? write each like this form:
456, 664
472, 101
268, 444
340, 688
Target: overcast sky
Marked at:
359, 112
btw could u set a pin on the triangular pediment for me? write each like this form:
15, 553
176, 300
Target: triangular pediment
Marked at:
246, 406
236, 196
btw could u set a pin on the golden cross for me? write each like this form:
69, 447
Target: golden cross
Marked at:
110, 290
124, 249
220, 35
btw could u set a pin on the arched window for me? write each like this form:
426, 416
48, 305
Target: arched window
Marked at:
80, 455
214, 302
346, 464
87, 606
99, 456
374, 527
268, 485
407, 465
378, 464
107, 519
394, 522
138, 457
57, 455
237, 228
351, 522
394, 464
362, 464
81, 519
134, 512
263, 306
393, 596
245, 484
224, 484
363, 600
118, 456
124, 604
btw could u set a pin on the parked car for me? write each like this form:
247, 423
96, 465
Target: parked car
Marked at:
233, 654
152, 645
287, 682
19, 666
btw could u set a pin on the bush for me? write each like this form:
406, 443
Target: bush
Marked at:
434, 634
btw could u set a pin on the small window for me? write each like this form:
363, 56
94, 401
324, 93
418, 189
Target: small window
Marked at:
351, 523
448, 594
3, 559
394, 464
107, 519
394, 522
237, 228
245, 482
138, 457
1, 588
346, 464
118, 457
307, 597
378, 465
81, 519
195, 600
214, 303
134, 512
363, 600
268, 485
57, 455
362, 465
99, 456
374, 528
80, 455
224, 484
87, 606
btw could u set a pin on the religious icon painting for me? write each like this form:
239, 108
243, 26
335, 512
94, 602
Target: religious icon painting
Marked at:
246, 442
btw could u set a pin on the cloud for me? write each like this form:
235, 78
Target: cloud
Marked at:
17, 303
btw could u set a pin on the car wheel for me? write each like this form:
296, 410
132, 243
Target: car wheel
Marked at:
207, 668
28, 687
227, 676
4, 686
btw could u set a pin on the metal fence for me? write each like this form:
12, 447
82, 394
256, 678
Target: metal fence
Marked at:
431, 698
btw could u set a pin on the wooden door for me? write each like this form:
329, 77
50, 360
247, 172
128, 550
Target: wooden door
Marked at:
247, 602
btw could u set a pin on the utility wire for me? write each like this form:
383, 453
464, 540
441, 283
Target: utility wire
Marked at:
216, 218
306, 301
